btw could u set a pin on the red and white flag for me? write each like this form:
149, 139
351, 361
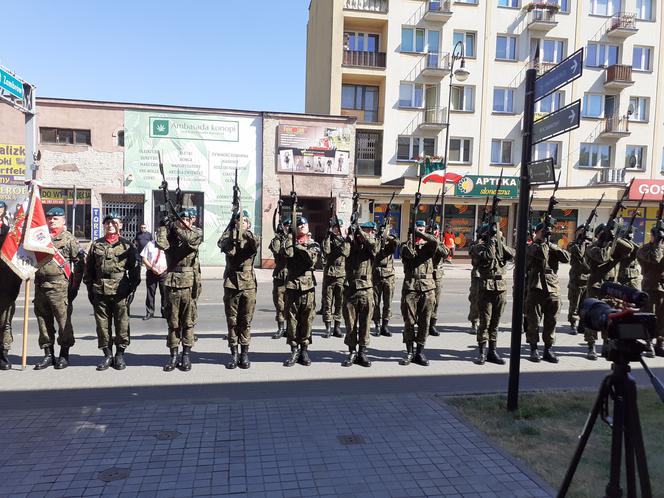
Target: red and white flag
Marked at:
28, 245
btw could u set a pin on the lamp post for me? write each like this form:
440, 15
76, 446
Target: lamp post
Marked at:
461, 75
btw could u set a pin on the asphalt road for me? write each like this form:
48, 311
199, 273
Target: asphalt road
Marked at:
451, 355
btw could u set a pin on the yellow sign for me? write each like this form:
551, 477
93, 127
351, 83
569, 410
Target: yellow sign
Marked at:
12, 164
58, 196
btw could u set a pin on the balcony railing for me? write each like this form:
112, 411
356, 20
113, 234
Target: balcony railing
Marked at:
378, 6
615, 126
619, 73
439, 6
354, 58
365, 116
622, 25
610, 176
542, 16
543, 67
434, 116
435, 61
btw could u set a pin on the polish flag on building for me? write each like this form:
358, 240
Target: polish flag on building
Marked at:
440, 176
28, 245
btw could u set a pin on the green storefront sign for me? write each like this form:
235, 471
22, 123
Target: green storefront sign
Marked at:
482, 186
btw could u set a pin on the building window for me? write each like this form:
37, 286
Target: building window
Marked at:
644, 10
641, 58
501, 152
513, 4
601, 55
640, 107
593, 105
635, 157
506, 48
460, 150
545, 150
410, 95
410, 148
463, 98
361, 98
563, 4
412, 40
594, 155
604, 7
553, 51
468, 40
550, 103
63, 136
469, 2
120, 138
368, 153
361, 42
503, 100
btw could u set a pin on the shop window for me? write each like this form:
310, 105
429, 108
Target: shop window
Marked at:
563, 231
78, 220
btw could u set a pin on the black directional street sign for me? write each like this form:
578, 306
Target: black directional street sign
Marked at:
560, 75
542, 172
557, 123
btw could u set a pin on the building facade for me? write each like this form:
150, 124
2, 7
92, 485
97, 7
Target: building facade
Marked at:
390, 64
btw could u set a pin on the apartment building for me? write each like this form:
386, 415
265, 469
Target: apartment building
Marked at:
390, 63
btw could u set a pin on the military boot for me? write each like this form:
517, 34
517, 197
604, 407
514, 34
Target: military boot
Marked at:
304, 359
481, 354
473, 327
409, 355
572, 325
384, 330
432, 328
4, 360
549, 355
119, 361
351, 359
493, 356
534, 354
377, 328
419, 357
293, 358
108, 359
591, 354
63, 358
244, 357
48, 359
659, 348
185, 359
649, 351
328, 330
337, 329
232, 363
362, 358
173, 361
281, 331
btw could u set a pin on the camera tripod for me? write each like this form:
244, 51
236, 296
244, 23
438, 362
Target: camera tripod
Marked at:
625, 427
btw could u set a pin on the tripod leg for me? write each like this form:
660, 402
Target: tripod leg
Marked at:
613, 487
585, 435
633, 428
630, 475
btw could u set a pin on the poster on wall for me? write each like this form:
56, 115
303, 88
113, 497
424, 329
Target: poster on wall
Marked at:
12, 177
204, 150
314, 149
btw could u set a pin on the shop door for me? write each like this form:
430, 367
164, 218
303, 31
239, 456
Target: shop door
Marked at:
130, 210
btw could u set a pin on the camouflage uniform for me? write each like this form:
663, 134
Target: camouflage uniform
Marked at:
543, 296
628, 270
9, 290
418, 294
301, 257
358, 294
239, 291
441, 254
112, 274
334, 250
54, 294
490, 256
473, 292
651, 258
279, 283
383, 283
578, 279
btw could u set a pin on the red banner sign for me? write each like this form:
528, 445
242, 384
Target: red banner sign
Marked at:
653, 190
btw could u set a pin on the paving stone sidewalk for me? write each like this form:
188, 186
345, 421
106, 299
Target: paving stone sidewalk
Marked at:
370, 446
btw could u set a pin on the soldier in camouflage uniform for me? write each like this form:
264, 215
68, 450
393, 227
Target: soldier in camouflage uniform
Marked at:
240, 248
9, 290
358, 291
418, 292
473, 291
543, 296
628, 271
335, 250
180, 241
440, 256
651, 258
578, 275
383, 283
56, 287
279, 277
198, 279
112, 275
301, 255
490, 256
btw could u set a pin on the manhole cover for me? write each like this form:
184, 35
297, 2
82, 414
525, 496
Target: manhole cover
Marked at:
167, 435
113, 474
351, 439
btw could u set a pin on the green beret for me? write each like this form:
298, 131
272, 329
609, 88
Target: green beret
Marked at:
420, 223
111, 216
55, 211
368, 224
301, 220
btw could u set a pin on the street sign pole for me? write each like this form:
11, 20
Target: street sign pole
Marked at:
521, 240
30, 135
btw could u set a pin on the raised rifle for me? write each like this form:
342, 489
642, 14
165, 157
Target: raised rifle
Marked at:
628, 229
549, 220
584, 234
334, 217
418, 197
386, 217
434, 213
494, 206
164, 188
442, 212
485, 211
277, 219
355, 214
619, 205
293, 223
660, 212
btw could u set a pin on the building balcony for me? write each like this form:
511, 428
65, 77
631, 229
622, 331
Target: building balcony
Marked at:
438, 11
433, 119
374, 60
541, 20
435, 65
372, 6
621, 26
615, 127
543, 67
365, 116
610, 177
618, 76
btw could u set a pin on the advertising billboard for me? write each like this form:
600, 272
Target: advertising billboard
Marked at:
317, 150
12, 177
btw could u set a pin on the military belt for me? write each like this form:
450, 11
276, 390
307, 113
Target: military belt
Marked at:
112, 274
49, 278
182, 270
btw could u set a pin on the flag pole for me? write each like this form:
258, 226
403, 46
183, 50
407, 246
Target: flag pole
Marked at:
24, 355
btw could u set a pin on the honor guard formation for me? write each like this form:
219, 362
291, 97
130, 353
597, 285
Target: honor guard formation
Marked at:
357, 288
